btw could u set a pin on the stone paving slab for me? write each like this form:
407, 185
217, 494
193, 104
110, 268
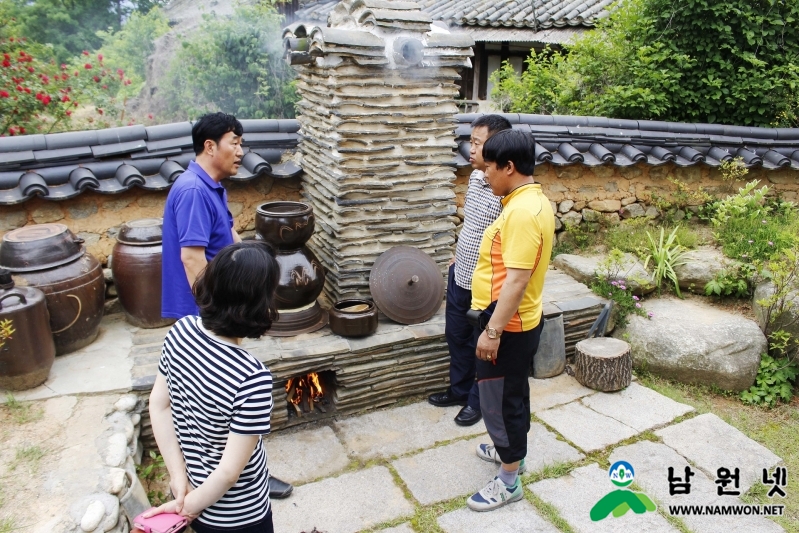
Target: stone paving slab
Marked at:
651, 461
401, 430
637, 406
446, 472
344, 504
517, 517
575, 494
305, 455
585, 428
710, 443
102, 366
561, 389
465, 473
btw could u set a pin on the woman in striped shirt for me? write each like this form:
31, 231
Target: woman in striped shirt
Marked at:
212, 400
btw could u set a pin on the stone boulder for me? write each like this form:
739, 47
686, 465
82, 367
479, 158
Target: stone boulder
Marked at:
571, 219
605, 206
702, 265
633, 211
694, 342
584, 269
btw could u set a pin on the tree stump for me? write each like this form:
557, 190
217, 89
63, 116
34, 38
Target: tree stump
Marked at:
603, 363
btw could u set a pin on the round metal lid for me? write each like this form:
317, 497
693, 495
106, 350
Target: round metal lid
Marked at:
39, 247
406, 285
141, 232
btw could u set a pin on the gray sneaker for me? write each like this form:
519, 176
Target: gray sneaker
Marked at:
487, 452
495, 495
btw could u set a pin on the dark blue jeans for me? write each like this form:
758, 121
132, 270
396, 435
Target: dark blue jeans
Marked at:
461, 340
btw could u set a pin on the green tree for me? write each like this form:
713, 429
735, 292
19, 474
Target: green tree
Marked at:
70, 26
233, 64
728, 61
131, 46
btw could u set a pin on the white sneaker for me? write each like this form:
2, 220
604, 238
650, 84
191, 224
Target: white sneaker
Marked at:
487, 452
495, 495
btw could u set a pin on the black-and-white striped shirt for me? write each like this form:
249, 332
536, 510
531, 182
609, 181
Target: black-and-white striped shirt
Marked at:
480, 210
215, 388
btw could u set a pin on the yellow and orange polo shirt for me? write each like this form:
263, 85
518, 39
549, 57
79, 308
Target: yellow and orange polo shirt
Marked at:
520, 238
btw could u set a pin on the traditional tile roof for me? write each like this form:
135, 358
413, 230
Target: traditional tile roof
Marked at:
533, 14
593, 141
58, 166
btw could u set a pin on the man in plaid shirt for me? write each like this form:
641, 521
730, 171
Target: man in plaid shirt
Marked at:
481, 209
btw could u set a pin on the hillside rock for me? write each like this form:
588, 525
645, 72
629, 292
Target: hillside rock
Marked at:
584, 269
694, 342
702, 266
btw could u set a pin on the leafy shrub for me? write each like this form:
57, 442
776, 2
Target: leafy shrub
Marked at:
773, 382
778, 367
233, 64
666, 255
610, 284
729, 61
733, 282
750, 226
39, 96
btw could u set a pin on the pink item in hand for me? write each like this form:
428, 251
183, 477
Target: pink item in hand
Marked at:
160, 523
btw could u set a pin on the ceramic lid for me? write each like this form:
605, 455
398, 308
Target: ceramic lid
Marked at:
141, 232
39, 247
406, 285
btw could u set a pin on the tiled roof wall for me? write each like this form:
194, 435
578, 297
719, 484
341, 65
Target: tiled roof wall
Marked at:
594, 141
58, 166
536, 14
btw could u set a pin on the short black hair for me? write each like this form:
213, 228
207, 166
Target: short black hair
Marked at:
511, 145
213, 126
494, 123
236, 291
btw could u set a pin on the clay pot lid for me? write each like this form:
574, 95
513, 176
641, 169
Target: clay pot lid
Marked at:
39, 247
406, 285
141, 232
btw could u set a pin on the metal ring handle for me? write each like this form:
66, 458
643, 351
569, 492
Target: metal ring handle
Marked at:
21, 297
80, 308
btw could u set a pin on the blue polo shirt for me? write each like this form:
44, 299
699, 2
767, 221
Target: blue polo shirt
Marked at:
195, 214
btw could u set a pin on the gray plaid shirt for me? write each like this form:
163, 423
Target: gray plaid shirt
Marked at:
481, 209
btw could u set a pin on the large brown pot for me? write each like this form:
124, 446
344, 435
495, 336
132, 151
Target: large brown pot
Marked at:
288, 226
72, 282
27, 355
136, 268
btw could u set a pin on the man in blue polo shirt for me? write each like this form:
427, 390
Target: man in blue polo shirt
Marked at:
198, 224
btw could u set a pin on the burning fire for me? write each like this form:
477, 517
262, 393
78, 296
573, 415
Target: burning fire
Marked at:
305, 393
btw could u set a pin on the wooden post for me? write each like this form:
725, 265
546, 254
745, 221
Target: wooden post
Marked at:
603, 363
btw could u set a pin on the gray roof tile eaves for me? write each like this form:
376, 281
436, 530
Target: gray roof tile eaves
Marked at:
564, 140
59, 166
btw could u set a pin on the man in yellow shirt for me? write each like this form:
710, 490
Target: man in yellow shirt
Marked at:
508, 284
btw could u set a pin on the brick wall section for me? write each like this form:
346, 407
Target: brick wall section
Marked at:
96, 217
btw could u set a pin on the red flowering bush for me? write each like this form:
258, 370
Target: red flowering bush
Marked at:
39, 96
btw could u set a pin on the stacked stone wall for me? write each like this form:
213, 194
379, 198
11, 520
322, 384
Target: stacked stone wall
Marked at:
615, 192
96, 218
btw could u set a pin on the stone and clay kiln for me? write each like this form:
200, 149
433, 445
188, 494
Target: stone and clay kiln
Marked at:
377, 87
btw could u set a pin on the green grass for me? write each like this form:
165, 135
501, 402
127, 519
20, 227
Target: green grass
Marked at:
630, 235
21, 413
28, 455
777, 429
7, 525
548, 512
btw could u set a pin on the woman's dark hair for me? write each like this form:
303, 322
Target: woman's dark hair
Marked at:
213, 126
493, 123
236, 291
511, 145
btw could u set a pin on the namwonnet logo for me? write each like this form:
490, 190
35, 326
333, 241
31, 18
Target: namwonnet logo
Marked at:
618, 502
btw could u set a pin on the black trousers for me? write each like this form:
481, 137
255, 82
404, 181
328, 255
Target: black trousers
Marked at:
265, 526
461, 340
505, 392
